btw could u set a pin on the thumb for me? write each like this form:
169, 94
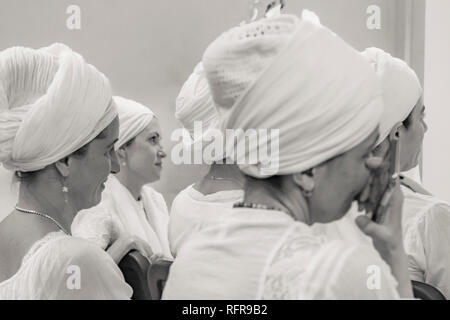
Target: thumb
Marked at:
367, 226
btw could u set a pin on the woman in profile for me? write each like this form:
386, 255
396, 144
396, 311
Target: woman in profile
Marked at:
129, 204
58, 127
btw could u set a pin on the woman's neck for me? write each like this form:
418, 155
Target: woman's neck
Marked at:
130, 182
46, 197
287, 198
221, 177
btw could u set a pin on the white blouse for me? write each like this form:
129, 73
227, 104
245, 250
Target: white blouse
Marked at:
60, 267
260, 254
426, 234
192, 211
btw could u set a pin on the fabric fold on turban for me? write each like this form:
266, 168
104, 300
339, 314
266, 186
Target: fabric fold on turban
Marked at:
51, 104
401, 88
300, 78
134, 117
194, 103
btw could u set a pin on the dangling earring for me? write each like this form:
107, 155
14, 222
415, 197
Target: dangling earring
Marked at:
307, 193
65, 190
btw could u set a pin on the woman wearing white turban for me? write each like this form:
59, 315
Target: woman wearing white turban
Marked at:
58, 126
128, 202
426, 219
296, 76
197, 206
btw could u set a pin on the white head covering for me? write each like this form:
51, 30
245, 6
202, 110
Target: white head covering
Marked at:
296, 76
194, 103
51, 104
134, 117
401, 88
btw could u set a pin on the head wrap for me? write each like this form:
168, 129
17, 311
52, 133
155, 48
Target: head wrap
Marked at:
194, 103
51, 104
134, 117
300, 78
401, 88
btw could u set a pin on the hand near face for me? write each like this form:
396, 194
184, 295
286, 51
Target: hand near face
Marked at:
386, 233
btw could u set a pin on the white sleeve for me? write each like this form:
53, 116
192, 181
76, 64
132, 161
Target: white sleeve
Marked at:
79, 270
435, 234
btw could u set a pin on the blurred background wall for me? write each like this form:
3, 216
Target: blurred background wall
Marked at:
436, 156
148, 48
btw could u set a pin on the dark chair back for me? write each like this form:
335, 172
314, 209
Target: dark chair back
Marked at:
134, 267
157, 277
426, 291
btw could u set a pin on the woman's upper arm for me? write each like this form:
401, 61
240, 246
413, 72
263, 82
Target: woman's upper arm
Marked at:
86, 272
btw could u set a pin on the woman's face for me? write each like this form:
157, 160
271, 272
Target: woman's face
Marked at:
144, 154
340, 181
411, 137
89, 171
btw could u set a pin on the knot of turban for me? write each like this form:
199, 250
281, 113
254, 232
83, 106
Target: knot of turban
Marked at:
134, 117
298, 77
51, 104
401, 88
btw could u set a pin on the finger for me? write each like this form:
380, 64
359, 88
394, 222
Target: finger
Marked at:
367, 226
374, 163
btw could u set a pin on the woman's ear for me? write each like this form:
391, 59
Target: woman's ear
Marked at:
62, 166
122, 155
305, 181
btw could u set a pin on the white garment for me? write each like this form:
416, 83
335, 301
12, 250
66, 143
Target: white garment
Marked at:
193, 211
146, 219
332, 106
53, 262
260, 254
426, 233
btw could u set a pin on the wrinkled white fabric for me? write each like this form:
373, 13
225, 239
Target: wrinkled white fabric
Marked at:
133, 116
297, 77
193, 211
426, 234
258, 254
401, 88
51, 104
52, 262
194, 103
119, 212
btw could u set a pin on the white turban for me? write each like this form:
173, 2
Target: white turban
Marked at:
51, 104
401, 88
134, 117
194, 103
296, 76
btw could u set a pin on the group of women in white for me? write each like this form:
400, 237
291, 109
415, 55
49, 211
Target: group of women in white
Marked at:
84, 160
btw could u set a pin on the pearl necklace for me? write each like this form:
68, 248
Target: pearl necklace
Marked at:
45, 216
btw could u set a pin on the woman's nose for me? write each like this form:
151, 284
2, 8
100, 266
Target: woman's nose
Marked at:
161, 153
115, 165
425, 126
